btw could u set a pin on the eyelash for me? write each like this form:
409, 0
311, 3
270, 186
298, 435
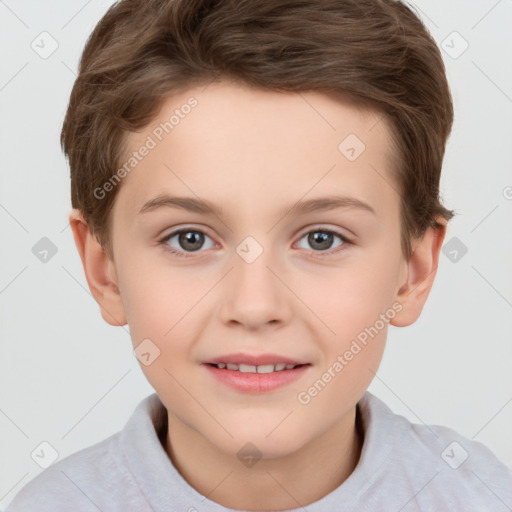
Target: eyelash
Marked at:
184, 254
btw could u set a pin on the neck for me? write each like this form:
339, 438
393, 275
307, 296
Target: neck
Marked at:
297, 479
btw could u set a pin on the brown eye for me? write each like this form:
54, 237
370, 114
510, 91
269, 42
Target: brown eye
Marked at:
186, 241
321, 240
191, 240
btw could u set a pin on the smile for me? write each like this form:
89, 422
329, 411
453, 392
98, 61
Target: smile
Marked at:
255, 379
262, 368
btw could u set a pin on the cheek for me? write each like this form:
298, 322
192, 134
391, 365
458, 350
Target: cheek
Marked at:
162, 305
160, 300
358, 311
350, 298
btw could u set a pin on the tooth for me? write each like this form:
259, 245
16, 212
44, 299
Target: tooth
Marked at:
262, 368
265, 368
247, 368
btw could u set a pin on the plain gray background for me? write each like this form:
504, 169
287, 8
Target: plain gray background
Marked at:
70, 380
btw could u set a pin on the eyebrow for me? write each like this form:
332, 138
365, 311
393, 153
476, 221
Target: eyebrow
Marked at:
300, 207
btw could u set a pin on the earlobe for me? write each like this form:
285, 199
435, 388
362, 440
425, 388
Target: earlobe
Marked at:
421, 271
99, 271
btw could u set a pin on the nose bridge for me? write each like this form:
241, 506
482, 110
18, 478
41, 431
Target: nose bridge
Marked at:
255, 296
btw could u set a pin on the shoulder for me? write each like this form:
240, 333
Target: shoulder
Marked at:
76, 482
98, 477
442, 466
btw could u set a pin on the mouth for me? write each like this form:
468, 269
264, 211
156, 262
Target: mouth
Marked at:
250, 368
255, 374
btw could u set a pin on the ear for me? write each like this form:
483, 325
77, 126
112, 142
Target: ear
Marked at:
99, 271
421, 271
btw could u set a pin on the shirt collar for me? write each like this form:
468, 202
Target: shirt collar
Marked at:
162, 485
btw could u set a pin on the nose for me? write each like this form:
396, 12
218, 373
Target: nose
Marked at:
254, 294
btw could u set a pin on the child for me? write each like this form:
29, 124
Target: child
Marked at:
257, 130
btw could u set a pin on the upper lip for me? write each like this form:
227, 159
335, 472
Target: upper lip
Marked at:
255, 360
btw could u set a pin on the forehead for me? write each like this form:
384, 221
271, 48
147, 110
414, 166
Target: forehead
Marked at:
250, 146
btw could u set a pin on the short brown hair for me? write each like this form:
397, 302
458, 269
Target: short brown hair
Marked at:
376, 51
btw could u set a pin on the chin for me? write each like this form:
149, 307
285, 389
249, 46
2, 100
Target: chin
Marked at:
268, 443
252, 449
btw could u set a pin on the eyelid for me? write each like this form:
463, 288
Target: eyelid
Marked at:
186, 227
310, 229
307, 230
322, 227
163, 241
346, 241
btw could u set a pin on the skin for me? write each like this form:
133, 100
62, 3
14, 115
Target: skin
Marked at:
255, 153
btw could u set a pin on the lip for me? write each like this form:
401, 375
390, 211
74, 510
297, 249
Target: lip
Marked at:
255, 383
256, 360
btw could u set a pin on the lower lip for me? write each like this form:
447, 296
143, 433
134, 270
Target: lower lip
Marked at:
257, 382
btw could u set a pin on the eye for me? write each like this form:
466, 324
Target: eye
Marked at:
187, 240
190, 240
321, 240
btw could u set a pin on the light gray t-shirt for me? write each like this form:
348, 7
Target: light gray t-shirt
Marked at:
403, 467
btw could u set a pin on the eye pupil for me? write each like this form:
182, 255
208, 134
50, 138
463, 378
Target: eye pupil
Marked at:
191, 237
191, 240
322, 238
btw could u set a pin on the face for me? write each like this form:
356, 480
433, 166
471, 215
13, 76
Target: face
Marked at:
283, 248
